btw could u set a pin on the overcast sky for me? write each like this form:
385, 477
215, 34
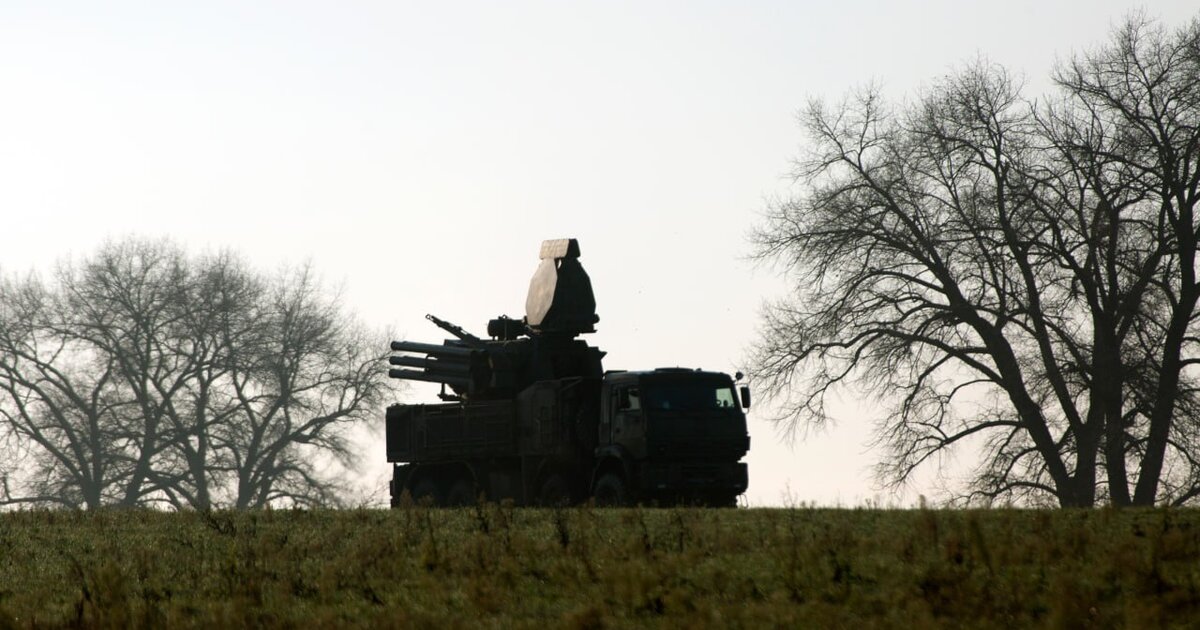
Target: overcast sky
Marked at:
419, 154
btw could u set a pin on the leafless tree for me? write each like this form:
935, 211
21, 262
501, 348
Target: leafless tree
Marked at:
143, 376
124, 305
1015, 276
307, 376
219, 316
60, 421
1140, 96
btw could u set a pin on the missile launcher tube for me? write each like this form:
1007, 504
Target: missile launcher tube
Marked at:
413, 375
431, 349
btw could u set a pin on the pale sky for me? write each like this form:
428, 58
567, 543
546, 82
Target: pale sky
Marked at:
418, 154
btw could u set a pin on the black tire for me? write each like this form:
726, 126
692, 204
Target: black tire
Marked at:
610, 491
425, 492
555, 491
461, 494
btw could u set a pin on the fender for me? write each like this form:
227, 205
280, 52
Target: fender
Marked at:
605, 455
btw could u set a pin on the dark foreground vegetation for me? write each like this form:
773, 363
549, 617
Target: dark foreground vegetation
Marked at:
503, 567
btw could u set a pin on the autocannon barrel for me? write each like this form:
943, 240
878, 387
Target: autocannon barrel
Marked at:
431, 349
457, 331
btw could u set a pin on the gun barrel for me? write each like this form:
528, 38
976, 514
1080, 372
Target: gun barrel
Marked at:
431, 349
457, 331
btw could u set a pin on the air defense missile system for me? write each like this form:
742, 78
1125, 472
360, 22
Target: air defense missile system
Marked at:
530, 414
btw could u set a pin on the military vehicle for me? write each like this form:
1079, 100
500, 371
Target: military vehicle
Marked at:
530, 414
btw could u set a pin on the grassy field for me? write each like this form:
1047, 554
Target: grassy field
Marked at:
587, 568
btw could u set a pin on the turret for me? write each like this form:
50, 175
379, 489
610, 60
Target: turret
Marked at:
542, 346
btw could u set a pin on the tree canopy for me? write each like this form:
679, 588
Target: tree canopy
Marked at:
142, 376
1014, 274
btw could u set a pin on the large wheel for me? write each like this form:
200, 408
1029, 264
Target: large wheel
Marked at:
425, 491
610, 491
462, 493
555, 491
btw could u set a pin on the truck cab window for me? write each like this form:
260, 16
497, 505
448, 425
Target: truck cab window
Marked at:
630, 399
689, 396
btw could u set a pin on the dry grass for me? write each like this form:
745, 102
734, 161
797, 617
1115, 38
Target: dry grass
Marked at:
584, 568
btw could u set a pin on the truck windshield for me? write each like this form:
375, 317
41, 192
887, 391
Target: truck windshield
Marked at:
684, 396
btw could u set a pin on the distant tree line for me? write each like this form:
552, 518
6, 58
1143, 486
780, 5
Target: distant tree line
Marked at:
145, 376
1012, 274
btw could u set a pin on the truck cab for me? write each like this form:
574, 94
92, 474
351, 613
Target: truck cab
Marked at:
671, 435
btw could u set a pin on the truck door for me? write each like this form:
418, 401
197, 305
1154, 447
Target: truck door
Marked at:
628, 423
608, 406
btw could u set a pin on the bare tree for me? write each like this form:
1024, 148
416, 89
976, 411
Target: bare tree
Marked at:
1142, 90
60, 420
307, 377
219, 316
1002, 273
144, 376
125, 305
